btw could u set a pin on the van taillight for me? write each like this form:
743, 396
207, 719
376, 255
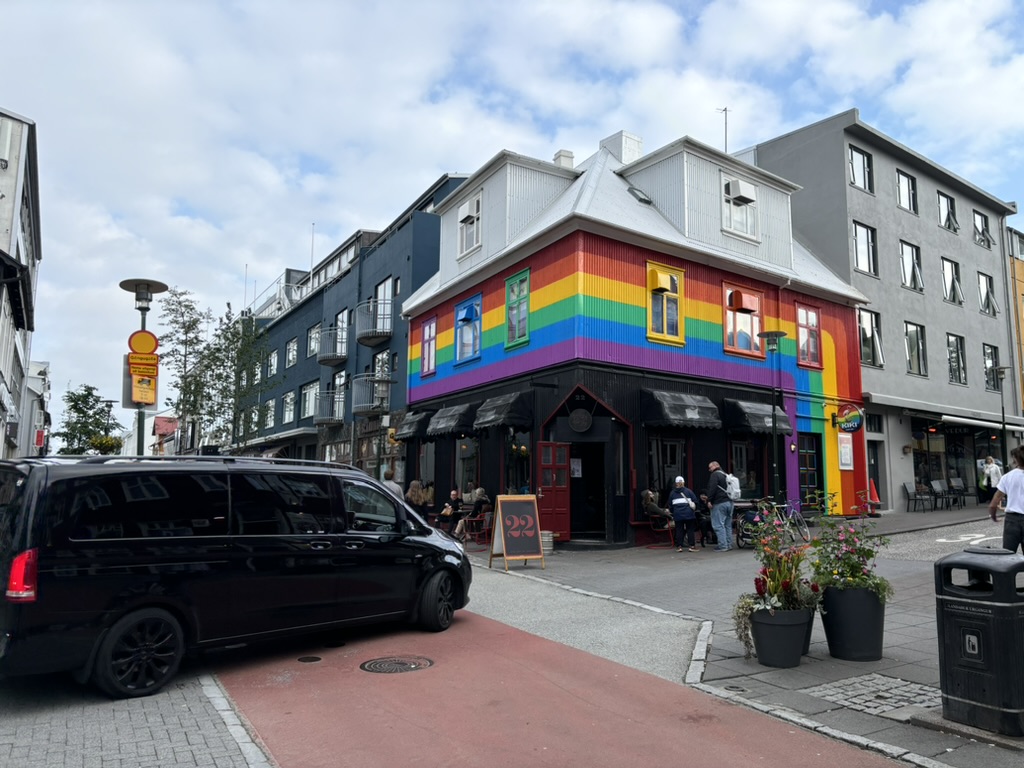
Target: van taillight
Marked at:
21, 585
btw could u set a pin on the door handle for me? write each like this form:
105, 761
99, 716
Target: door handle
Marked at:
320, 545
354, 545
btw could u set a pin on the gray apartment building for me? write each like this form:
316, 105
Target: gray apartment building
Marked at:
929, 250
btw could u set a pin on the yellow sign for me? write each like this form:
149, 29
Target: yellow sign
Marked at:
143, 390
143, 341
137, 358
143, 370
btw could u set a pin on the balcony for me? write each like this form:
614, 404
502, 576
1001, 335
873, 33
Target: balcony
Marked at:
371, 394
333, 345
330, 408
373, 322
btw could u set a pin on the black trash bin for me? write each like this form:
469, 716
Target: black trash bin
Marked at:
979, 600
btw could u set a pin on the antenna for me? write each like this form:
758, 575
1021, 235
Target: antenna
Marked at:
245, 285
312, 232
725, 112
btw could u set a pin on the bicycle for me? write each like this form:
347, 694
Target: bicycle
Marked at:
792, 520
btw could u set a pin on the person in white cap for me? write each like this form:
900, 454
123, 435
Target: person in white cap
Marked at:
683, 503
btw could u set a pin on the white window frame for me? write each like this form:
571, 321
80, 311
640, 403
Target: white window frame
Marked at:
291, 352
287, 407
469, 224
910, 266
739, 213
308, 397
428, 347
313, 340
272, 364
268, 415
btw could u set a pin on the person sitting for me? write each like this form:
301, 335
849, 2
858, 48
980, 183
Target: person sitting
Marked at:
480, 500
451, 513
660, 518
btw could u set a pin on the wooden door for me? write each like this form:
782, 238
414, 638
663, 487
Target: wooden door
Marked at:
553, 488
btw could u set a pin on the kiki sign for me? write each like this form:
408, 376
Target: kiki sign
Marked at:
849, 418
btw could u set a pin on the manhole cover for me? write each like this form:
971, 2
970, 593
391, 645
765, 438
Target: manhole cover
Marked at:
392, 664
876, 693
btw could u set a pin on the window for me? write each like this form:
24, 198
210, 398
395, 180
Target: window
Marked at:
468, 324
860, 169
428, 347
991, 356
341, 332
808, 335
313, 340
873, 422
865, 248
664, 288
469, 225
256, 374
956, 355
368, 509
917, 354
291, 353
947, 213
743, 320
986, 295
382, 306
951, 282
517, 309
739, 206
338, 408
910, 263
272, 364
870, 338
309, 392
906, 186
981, 234
268, 414
288, 408
280, 504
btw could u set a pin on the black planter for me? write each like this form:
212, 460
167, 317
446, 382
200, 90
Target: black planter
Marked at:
854, 622
807, 637
779, 637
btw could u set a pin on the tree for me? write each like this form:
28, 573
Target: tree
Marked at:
182, 348
87, 424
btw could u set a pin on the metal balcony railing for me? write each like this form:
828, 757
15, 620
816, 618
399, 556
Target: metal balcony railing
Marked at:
333, 345
371, 394
330, 408
373, 322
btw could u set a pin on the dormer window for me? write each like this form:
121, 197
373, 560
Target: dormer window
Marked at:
469, 224
739, 206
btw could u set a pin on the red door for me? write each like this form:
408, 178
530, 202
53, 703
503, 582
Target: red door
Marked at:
553, 488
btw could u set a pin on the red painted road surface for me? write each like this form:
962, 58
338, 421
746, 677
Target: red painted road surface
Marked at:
496, 697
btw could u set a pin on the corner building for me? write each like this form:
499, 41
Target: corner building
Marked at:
593, 330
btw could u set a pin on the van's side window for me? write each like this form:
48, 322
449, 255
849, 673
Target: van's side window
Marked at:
280, 503
132, 506
368, 509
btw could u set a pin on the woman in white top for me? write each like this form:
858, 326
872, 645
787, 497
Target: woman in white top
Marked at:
990, 474
1011, 491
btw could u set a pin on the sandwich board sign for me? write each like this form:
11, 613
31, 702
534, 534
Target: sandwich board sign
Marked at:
516, 532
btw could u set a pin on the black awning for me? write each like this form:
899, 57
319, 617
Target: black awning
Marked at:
745, 416
678, 409
514, 410
413, 426
19, 279
453, 420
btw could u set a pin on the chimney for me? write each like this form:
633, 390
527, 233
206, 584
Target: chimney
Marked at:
626, 147
563, 158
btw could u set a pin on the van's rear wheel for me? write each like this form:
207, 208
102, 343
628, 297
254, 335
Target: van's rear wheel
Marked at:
140, 654
437, 603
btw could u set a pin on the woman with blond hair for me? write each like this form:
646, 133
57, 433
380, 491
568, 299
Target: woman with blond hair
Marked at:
416, 498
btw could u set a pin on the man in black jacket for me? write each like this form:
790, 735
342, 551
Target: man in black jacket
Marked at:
718, 500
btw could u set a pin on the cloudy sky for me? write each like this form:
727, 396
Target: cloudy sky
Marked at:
198, 141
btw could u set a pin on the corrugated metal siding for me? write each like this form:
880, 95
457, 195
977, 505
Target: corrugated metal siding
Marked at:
529, 192
665, 183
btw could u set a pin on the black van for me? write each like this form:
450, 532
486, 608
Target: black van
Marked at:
114, 567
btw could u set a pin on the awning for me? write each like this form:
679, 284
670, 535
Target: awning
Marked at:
514, 410
990, 425
678, 409
413, 426
756, 417
277, 452
453, 420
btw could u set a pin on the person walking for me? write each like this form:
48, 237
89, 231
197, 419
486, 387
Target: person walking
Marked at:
683, 503
717, 498
389, 481
1011, 491
990, 476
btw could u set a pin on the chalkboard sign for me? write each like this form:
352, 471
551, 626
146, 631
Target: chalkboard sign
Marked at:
516, 533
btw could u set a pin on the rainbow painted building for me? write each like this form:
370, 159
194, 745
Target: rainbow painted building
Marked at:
593, 331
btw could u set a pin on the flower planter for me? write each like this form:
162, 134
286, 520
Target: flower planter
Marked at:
779, 637
854, 622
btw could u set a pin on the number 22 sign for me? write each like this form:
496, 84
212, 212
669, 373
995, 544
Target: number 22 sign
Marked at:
516, 536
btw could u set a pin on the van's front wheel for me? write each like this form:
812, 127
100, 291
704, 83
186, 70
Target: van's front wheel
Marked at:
140, 654
437, 603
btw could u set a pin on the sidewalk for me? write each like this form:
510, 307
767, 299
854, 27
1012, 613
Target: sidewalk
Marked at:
892, 706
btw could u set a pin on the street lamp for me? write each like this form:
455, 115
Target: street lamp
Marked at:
1001, 373
771, 341
143, 290
110, 408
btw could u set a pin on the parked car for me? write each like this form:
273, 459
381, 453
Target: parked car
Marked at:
114, 568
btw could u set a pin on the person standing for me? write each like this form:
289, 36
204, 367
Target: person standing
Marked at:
683, 503
990, 476
389, 481
717, 498
1011, 490
416, 498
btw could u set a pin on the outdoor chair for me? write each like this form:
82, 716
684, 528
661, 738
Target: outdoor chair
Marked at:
668, 531
958, 491
478, 527
940, 491
916, 498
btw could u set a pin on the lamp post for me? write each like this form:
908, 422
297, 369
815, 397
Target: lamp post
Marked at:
1001, 373
110, 408
771, 340
143, 290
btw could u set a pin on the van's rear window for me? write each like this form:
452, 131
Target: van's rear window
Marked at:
11, 484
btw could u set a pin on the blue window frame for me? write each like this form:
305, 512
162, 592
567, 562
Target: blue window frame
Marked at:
468, 328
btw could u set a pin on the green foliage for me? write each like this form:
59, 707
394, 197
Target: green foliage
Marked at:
846, 554
86, 418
